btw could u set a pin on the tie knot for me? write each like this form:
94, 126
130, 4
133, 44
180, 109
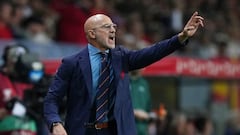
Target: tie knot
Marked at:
104, 55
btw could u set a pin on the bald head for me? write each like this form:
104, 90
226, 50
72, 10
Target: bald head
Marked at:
95, 21
100, 31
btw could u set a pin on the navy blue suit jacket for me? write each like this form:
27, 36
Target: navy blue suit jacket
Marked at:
74, 80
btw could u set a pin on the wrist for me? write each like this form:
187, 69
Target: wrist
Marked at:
55, 124
182, 37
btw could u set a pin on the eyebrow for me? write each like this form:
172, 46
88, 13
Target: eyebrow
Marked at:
113, 24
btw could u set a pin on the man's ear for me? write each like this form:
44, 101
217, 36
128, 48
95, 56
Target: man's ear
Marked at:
92, 33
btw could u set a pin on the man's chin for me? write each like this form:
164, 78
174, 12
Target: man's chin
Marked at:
111, 46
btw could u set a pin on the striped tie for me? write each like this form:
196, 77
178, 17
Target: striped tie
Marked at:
103, 89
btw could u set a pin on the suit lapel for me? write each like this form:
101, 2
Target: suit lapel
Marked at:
86, 70
87, 73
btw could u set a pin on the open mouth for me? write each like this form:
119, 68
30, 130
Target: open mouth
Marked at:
112, 37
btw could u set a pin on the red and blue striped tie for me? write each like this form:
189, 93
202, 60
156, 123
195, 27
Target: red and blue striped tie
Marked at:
103, 89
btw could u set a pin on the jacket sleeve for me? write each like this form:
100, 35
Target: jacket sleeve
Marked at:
57, 91
144, 57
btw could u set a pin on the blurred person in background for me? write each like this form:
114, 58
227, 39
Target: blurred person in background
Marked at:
221, 51
20, 72
203, 125
135, 35
16, 20
232, 45
141, 99
233, 124
205, 48
177, 16
190, 127
12, 87
178, 124
71, 17
35, 30
99, 7
5, 18
25, 7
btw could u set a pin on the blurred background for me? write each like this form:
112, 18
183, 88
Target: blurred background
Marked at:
197, 81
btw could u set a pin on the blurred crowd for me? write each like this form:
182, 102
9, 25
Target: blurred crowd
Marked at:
193, 123
140, 22
182, 124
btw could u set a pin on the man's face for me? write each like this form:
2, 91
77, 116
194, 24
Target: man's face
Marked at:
105, 34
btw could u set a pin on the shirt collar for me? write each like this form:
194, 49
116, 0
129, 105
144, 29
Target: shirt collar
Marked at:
93, 50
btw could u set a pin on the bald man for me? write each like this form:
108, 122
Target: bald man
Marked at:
79, 74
